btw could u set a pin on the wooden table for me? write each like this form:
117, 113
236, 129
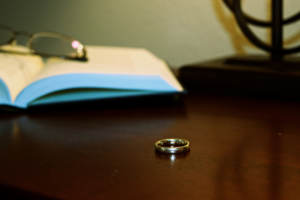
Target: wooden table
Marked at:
241, 148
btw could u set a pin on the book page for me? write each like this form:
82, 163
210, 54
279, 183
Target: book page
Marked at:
112, 60
17, 71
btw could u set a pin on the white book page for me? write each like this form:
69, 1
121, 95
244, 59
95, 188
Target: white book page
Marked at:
112, 60
17, 71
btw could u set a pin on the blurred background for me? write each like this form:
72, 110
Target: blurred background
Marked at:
179, 31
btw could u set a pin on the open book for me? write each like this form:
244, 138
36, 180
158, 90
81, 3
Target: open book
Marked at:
111, 72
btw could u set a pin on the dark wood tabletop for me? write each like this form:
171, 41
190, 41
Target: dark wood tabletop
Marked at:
241, 148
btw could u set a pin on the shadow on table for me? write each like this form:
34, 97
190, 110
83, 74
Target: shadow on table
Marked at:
14, 193
151, 101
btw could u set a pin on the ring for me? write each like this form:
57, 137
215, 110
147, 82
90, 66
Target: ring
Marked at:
172, 145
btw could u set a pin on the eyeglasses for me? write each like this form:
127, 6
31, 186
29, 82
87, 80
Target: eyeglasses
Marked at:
45, 44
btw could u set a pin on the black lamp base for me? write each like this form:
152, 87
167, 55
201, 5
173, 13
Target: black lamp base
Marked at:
245, 75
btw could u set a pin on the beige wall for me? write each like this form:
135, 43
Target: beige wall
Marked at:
180, 31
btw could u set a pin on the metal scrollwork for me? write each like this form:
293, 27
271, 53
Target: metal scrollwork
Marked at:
245, 20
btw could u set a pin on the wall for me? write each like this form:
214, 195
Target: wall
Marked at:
179, 31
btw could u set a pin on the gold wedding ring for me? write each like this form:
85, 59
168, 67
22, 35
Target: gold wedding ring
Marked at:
172, 145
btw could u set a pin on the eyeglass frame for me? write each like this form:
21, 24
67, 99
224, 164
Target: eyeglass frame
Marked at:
81, 53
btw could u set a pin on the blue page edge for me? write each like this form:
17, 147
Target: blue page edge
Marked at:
92, 95
152, 84
5, 98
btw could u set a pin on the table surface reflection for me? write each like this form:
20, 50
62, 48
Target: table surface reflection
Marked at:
241, 148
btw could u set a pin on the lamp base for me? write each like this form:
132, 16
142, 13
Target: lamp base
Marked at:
244, 74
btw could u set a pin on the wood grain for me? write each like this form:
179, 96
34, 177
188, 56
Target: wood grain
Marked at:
241, 148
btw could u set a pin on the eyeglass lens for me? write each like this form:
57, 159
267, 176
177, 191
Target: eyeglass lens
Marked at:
52, 45
45, 43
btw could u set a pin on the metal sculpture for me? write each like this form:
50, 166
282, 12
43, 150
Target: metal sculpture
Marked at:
276, 48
